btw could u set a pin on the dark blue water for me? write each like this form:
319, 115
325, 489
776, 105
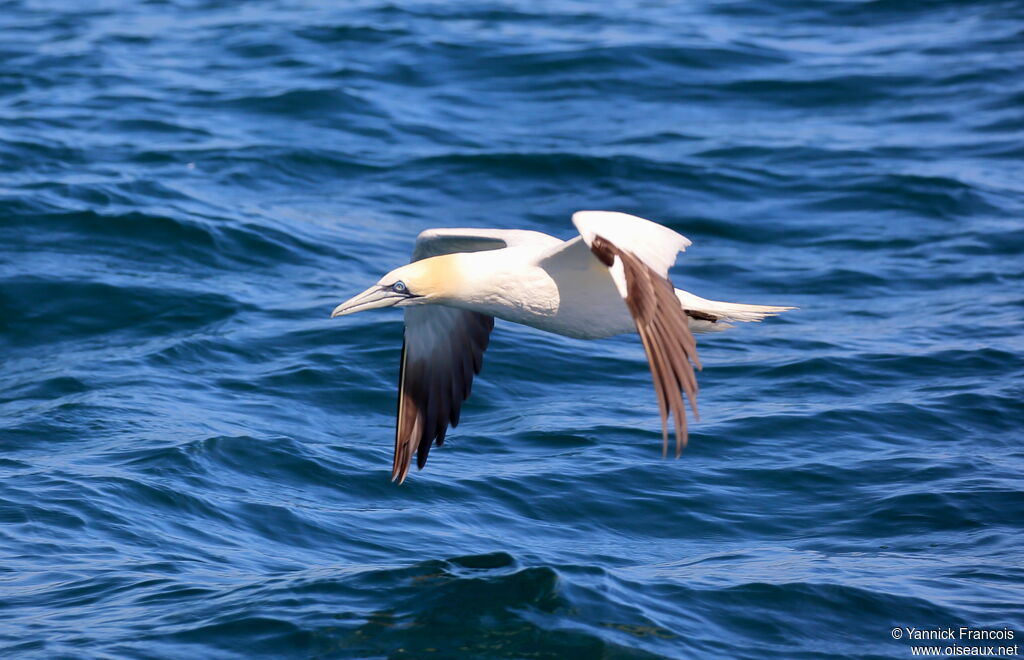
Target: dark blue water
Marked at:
194, 459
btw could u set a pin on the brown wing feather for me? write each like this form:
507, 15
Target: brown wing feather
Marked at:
442, 351
665, 333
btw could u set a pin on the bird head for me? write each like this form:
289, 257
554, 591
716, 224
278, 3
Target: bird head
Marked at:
418, 283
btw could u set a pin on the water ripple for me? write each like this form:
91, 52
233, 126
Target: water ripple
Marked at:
195, 459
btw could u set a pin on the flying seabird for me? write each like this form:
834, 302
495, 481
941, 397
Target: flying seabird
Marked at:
612, 279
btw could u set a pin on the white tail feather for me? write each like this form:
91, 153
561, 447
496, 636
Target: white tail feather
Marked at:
723, 311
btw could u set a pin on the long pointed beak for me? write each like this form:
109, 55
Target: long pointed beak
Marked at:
374, 297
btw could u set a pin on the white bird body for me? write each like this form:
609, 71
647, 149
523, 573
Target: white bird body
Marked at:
610, 280
565, 291
564, 294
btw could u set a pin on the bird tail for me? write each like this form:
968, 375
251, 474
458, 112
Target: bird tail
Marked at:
713, 315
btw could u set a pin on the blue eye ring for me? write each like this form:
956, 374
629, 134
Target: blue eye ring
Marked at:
399, 287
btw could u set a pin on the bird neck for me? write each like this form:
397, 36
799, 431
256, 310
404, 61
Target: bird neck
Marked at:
503, 283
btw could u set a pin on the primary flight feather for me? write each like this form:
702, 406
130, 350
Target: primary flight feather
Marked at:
610, 280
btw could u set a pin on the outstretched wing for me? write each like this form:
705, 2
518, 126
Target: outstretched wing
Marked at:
443, 349
638, 254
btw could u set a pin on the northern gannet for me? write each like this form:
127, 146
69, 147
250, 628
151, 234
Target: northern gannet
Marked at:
612, 279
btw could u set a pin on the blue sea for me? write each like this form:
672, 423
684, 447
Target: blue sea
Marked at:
195, 459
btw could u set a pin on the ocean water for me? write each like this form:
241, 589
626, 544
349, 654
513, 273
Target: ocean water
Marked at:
194, 459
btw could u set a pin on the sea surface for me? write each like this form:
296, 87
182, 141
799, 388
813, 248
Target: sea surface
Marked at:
194, 459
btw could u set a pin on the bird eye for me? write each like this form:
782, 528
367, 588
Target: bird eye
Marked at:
399, 287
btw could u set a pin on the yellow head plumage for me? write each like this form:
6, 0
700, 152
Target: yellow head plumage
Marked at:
435, 278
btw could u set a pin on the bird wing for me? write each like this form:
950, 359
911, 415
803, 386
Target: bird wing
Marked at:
655, 245
443, 349
638, 254
434, 242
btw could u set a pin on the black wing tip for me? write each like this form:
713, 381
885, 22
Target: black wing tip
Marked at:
429, 399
